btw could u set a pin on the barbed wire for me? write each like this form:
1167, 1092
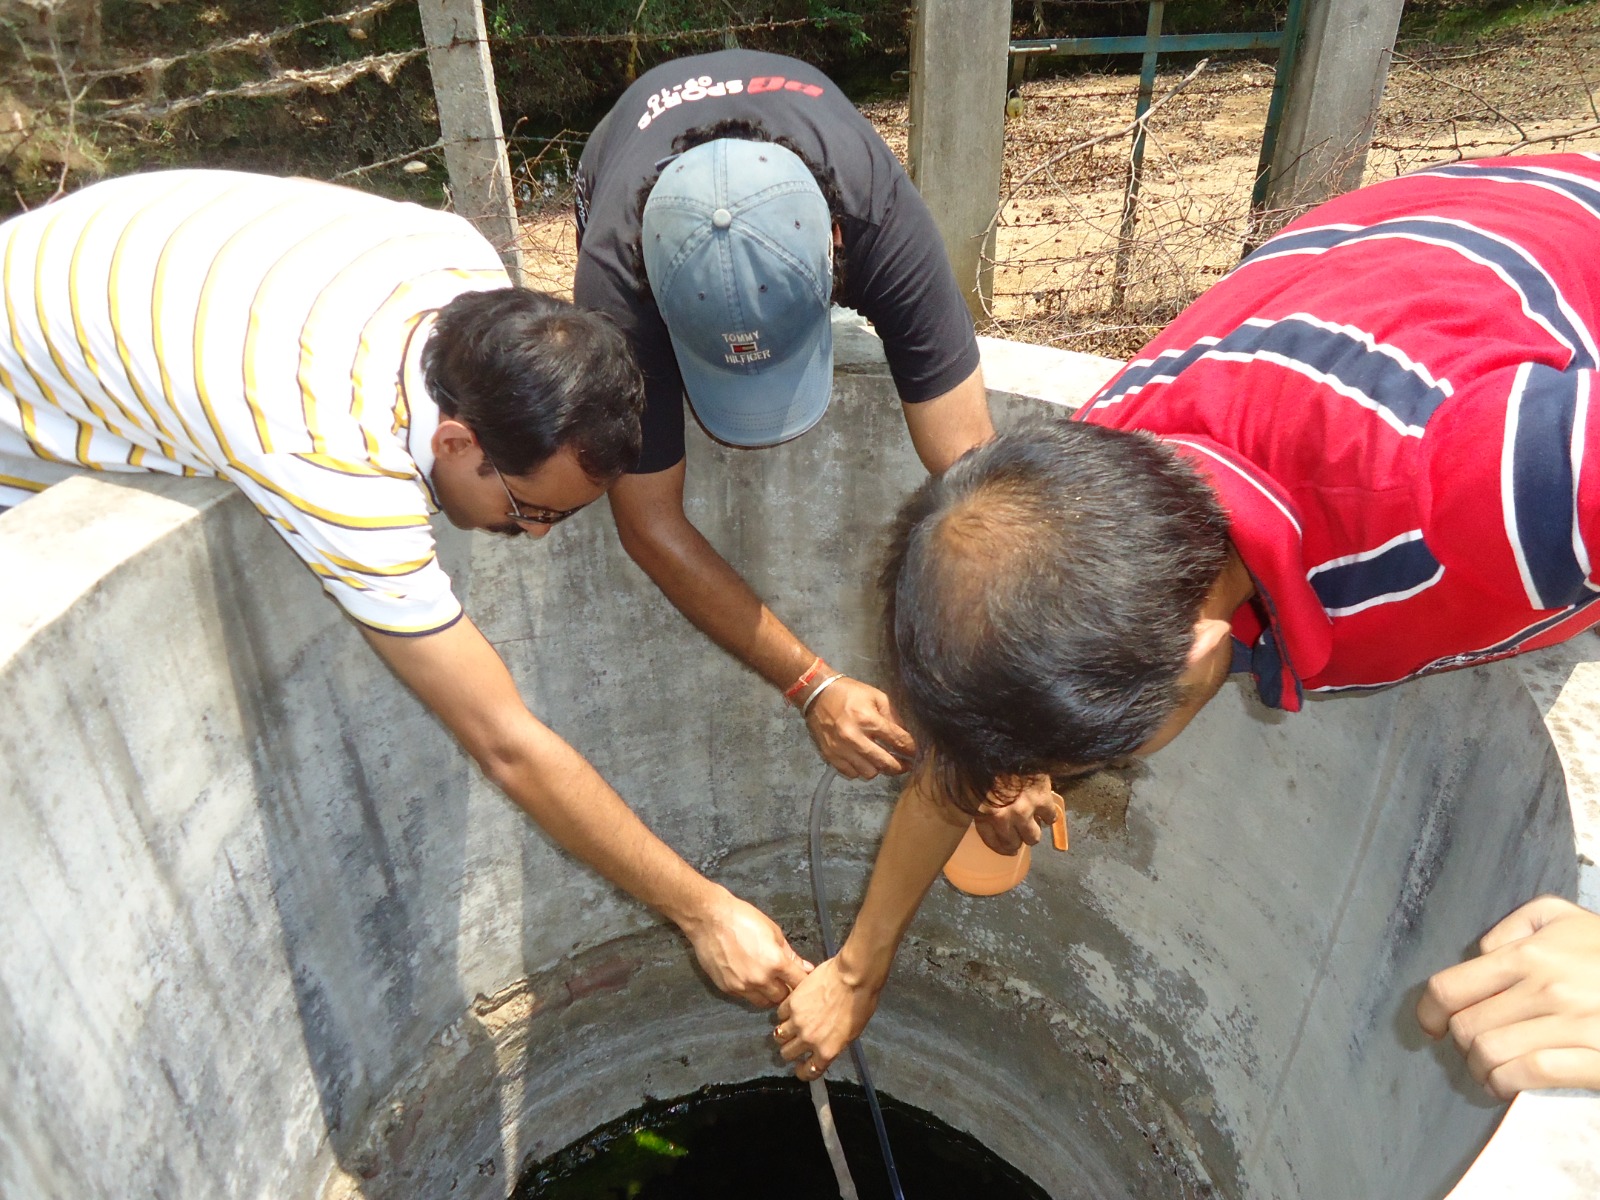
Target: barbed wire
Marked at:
250, 41
1058, 233
629, 37
1141, 122
1086, 3
1055, 259
285, 81
64, 114
281, 83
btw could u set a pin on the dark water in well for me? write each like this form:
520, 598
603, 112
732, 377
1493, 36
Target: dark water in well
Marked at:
760, 1140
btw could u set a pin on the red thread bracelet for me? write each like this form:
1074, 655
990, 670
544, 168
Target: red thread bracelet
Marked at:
799, 685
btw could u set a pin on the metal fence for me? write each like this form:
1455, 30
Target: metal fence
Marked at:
1075, 263
1066, 272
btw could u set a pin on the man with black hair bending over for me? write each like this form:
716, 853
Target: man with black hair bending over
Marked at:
1371, 453
352, 365
723, 204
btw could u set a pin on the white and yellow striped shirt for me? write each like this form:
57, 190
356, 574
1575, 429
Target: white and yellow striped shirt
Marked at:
266, 331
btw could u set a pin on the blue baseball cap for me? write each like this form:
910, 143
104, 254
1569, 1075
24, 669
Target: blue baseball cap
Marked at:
738, 249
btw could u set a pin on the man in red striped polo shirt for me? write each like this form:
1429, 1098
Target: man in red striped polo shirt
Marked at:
1389, 401
1365, 455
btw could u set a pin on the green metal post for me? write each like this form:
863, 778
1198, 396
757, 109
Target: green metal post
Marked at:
1171, 43
1016, 71
1293, 27
1130, 202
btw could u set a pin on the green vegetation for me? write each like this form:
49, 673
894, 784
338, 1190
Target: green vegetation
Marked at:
1453, 21
559, 64
66, 94
628, 1159
71, 105
1181, 16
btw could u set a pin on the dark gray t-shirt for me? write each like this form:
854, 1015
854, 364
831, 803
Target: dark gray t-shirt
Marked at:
897, 275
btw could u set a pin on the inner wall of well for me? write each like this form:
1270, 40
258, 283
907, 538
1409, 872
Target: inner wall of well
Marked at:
270, 935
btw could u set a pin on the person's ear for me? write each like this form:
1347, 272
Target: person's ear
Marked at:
1209, 633
455, 442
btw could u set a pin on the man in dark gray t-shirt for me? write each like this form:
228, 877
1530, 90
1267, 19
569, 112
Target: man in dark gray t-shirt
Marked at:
722, 204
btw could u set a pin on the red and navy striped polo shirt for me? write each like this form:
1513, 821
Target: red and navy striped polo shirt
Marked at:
1392, 400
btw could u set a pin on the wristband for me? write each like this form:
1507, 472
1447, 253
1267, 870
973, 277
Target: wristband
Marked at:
805, 708
799, 685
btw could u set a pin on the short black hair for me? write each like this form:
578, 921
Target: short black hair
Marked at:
738, 130
1040, 599
529, 374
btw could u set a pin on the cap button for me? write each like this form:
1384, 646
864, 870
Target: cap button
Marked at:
722, 218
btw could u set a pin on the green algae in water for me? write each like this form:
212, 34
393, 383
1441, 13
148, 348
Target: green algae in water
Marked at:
760, 1139
652, 1142
611, 1162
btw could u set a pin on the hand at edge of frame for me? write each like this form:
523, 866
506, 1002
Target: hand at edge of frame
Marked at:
1526, 1012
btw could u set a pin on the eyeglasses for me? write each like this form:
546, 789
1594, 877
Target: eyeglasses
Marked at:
536, 514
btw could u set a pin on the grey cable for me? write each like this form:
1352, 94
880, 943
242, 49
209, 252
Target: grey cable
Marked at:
830, 946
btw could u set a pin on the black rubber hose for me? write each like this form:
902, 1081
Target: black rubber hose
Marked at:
831, 947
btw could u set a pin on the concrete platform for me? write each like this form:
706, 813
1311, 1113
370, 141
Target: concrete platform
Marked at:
267, 934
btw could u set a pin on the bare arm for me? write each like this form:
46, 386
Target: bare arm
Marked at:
851, 721
831, 1007
946, 427
461, 678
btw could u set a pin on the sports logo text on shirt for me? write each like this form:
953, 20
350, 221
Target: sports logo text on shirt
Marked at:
702, 86
689, 90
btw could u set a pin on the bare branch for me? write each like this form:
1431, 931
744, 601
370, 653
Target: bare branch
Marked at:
286, 82
1413, 65
390, 162
1549, 137
250, 41
71, 132
1131, 127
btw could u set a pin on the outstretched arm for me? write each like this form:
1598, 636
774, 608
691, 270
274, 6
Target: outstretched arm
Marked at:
851, 722
459, 676
831, 1007
1526, 1014
946, 427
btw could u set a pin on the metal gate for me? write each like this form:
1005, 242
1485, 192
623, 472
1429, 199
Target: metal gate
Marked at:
1151, 46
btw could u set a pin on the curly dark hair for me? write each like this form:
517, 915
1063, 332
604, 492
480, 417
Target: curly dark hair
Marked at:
1040, 600
743, 131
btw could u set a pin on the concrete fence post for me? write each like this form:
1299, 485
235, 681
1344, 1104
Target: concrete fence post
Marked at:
956, 144
469, 121
1332, 104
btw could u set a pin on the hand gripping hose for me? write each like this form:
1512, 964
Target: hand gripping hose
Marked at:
819, 1089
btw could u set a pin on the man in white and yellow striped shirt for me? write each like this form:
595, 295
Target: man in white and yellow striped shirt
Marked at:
352, 364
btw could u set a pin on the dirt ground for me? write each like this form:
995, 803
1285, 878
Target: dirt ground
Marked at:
1533, 89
